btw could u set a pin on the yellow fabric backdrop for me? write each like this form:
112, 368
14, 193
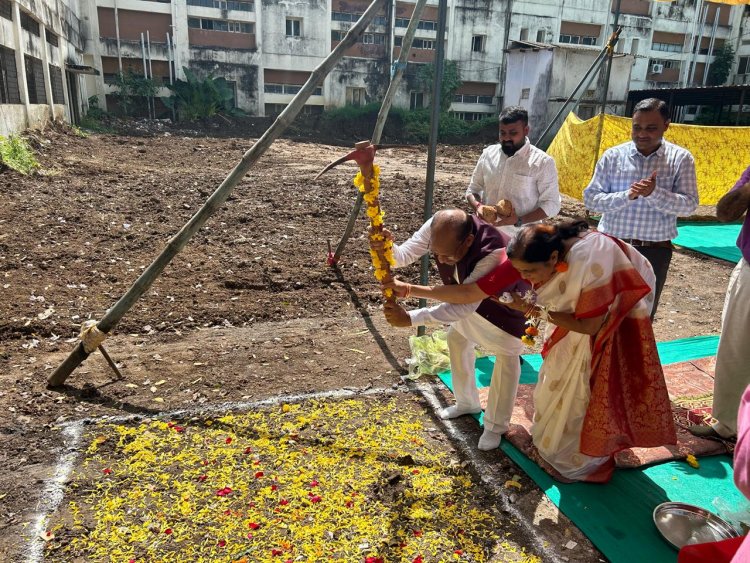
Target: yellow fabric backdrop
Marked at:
721, 153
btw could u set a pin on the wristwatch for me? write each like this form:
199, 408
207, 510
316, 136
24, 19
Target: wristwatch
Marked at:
518, 223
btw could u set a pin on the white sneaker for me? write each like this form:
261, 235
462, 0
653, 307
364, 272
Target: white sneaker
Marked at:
455, 412
490, 440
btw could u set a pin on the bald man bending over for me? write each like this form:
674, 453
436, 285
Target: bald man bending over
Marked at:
465, 249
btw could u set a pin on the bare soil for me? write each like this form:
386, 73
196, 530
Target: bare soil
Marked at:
248, 310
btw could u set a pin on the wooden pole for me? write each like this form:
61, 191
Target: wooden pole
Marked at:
385, 107
216, 200
437, 86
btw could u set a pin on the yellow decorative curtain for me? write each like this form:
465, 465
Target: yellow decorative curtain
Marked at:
720, 152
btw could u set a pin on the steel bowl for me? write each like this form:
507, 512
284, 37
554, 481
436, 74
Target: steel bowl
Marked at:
684, 524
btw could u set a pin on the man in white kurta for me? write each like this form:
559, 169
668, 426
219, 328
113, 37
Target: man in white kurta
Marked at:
517, 171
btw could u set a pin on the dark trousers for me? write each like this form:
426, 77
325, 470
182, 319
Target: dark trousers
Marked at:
659, 257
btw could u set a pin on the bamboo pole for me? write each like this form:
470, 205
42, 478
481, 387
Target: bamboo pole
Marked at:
216, 200
385, 107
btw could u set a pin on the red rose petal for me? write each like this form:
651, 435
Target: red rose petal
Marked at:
274, 487
107, 471
314, 483
283, 502
417, 533
418, 559
228, 440
202, 478
315, 499
224, 492
168, 531
415, 472
179, 429
276, 552
459, 552
258, 474
373, 560
253, 525
349, 504
248, 450
221, 543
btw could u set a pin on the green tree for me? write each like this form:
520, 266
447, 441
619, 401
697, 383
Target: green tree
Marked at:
718, 72
195, 98
451, 81
133, 91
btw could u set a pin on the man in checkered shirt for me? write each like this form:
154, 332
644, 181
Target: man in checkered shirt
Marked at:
642, 186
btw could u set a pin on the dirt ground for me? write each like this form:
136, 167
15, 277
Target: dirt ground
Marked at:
248, 310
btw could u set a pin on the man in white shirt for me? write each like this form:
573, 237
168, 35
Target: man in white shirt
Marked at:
517, 171
466, 249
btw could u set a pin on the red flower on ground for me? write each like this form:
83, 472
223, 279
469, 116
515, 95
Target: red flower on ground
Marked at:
221, 543
224, 492
259, 474
418, 559
276, 552
459, 552
179, 429
202, 478
315, 498
107, 471
283, 502
248, 450
314, 483
168, 531
274, 487
253, 525
251, 504
373, 560
228, 440
417, 533
415, 472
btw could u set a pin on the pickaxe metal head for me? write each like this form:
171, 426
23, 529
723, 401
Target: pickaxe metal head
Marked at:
363, 154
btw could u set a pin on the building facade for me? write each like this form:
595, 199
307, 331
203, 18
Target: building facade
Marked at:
266, 49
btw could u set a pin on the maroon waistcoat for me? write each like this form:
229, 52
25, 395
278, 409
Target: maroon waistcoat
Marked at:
486, 240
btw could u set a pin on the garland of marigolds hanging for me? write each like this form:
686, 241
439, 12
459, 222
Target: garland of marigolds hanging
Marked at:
382, 259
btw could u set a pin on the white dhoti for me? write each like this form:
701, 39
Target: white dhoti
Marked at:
733, 356
463, 337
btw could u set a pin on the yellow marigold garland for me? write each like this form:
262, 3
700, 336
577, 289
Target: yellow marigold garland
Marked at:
382, 261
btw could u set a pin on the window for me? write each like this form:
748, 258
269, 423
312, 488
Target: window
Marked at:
525, 93
524, 34
477, 43
367, 38
6, 10
221, 25
288, 89
355, 96
691, 110
224, 5
469, 115
416, 100
293, 27
634, 46
426, 25
416, 43
29, 24
472, 99
667, 47
55, 75
351, 17
51, 38
744, 66
9, 93
578, 39
541, 35
35, 80
585, 112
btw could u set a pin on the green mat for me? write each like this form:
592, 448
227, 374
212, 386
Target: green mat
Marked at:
617, 517
714, 239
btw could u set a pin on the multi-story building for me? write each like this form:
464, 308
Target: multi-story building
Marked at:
266, 49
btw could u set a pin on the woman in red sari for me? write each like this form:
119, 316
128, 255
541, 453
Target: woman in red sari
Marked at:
601, 387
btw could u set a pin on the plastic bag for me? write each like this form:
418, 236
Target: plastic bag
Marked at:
739, 516
429, 354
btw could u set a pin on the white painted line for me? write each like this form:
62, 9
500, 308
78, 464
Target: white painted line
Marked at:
54, 490
427, 390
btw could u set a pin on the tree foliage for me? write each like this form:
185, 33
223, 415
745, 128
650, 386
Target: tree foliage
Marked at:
719, 70
196, 99
450, 84
133, 91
